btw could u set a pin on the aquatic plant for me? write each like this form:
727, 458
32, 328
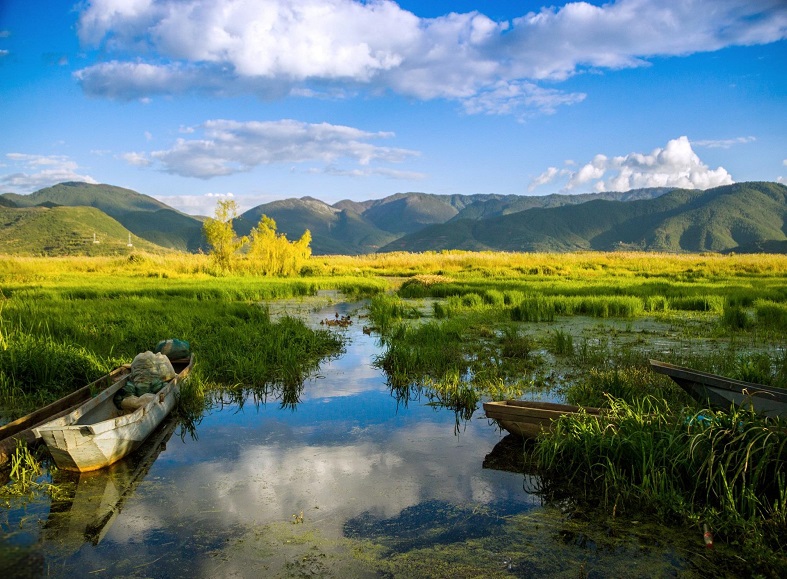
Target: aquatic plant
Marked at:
561, 343
724, 469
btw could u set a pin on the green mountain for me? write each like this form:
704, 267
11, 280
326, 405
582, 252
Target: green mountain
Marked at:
719, 219
142, 215
65, 231
516, 203
741, 217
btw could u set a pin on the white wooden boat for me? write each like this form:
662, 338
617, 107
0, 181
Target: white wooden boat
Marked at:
22, 429
529, 418
98, 434
723, 392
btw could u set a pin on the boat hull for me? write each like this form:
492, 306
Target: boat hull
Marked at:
96, 435
722, 392
529, 419
23, 429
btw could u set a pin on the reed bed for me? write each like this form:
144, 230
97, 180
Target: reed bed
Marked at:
721, 469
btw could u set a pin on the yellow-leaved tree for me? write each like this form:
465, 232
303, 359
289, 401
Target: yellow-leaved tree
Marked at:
273, 254
221, 236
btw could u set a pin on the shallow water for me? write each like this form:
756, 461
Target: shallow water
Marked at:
349, 482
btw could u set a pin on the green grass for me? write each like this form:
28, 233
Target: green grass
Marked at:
722, 469
57, 343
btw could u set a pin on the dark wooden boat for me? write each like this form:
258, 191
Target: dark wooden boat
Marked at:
528, 418
722, 392
22, 429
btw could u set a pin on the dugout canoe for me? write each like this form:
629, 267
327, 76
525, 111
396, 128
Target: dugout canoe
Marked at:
22, 429
529, 418
98, 434
722, 392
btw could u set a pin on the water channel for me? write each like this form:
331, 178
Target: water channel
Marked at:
350, 482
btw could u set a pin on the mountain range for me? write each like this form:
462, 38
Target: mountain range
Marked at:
67, 218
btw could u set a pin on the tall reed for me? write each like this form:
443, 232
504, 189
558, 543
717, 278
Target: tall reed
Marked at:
725, 469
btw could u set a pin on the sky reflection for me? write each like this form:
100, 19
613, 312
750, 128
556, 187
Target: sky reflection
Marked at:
347, 450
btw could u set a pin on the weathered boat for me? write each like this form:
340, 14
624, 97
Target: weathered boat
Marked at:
529, 418
723, 392
98, 434
22, 429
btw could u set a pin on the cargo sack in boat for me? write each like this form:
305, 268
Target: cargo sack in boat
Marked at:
149, 373
174, 349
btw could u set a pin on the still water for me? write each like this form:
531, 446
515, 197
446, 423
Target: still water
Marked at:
349, 482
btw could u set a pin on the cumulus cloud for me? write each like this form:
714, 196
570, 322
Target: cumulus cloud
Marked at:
39, 171
675, 165
723, 143
274, 48
226, 147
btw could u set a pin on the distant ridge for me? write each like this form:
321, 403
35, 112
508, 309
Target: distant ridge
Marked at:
741, 217
719, 219
62, 230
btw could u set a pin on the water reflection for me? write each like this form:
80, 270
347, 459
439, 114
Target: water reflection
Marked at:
99, 496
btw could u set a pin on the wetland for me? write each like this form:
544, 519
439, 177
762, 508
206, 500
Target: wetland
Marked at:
308, 448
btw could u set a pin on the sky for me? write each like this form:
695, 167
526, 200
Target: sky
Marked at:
192, 101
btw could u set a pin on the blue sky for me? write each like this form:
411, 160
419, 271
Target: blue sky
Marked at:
193, 100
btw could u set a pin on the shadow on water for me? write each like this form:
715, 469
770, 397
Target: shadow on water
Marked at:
433, 523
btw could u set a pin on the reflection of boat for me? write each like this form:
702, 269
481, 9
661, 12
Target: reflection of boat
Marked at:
97, 434
100, 495
508, 455
722, 392
528, 418
22, 429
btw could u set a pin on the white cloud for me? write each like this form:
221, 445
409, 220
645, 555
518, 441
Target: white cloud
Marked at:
229, 147
39, 171
136, 159
206, 204
547, 176
273, 48
676, 165
723, 143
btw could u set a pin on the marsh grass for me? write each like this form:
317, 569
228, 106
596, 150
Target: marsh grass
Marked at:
724, 469
598, 386
561, 343
56, 344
